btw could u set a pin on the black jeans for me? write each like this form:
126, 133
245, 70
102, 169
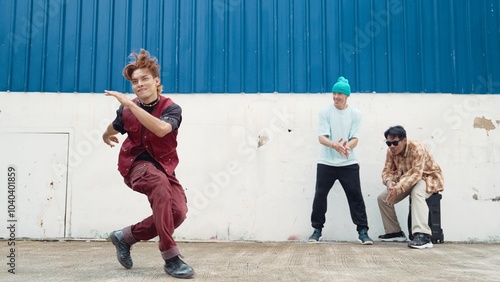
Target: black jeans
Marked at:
349, 179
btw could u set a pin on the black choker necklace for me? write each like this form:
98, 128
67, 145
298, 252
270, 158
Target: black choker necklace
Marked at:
152, 104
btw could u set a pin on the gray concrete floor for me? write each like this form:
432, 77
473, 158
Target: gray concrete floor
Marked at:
256, 261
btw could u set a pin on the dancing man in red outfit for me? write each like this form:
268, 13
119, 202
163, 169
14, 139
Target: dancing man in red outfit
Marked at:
147, 161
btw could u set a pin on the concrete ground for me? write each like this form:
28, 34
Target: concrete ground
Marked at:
256, 261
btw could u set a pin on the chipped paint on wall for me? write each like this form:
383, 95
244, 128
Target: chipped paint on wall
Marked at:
495, 199
484, 123
262, 140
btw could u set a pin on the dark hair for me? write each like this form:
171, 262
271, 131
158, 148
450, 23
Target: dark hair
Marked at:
142, 60
395, 131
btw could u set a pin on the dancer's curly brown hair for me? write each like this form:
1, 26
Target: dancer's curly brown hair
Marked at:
140, 61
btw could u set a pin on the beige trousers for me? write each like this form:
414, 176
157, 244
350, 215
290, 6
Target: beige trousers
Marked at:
419, 210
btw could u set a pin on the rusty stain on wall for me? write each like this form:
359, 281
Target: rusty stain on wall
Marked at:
484, 123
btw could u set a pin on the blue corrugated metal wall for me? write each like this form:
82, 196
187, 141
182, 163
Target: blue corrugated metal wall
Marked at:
233, 46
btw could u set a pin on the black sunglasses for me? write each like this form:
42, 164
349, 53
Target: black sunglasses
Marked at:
395, 143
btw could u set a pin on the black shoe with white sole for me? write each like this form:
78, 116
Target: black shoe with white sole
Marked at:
393, 237
420, 241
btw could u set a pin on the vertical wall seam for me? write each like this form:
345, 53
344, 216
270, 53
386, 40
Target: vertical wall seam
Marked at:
110, 40
242, 42
292, 46
44, 47
275, 44
421, 48
78, 41
226, 51
485, 60
468, 46
405, 44
259, 46
324, 56
93, 61
308, 46
437, 49
355, 85
212, 36
160, 33
177, 40
390, 80
373, 47
127, 46
161, 53
10, 63
341, 39
28, 48
144, 25
497, 28
453, 47
66, 201
192, 49
62, 29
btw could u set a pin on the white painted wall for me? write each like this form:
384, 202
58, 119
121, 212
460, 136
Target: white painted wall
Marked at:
237, 190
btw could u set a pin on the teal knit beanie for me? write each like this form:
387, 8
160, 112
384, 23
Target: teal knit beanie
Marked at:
342, 86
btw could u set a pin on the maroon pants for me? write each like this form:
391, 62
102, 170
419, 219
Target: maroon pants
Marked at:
168, 202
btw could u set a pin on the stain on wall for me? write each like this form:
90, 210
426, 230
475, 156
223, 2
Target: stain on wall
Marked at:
262, 140
476, 197
484, 123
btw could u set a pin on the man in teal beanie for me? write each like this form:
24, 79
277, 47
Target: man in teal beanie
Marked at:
342, 86
338, 131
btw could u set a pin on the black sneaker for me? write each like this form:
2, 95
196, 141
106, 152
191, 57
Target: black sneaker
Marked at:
177, 268
420, 241
393, 237
316, 236
122, 249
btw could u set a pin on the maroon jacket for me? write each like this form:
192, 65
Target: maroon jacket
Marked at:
139, 139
